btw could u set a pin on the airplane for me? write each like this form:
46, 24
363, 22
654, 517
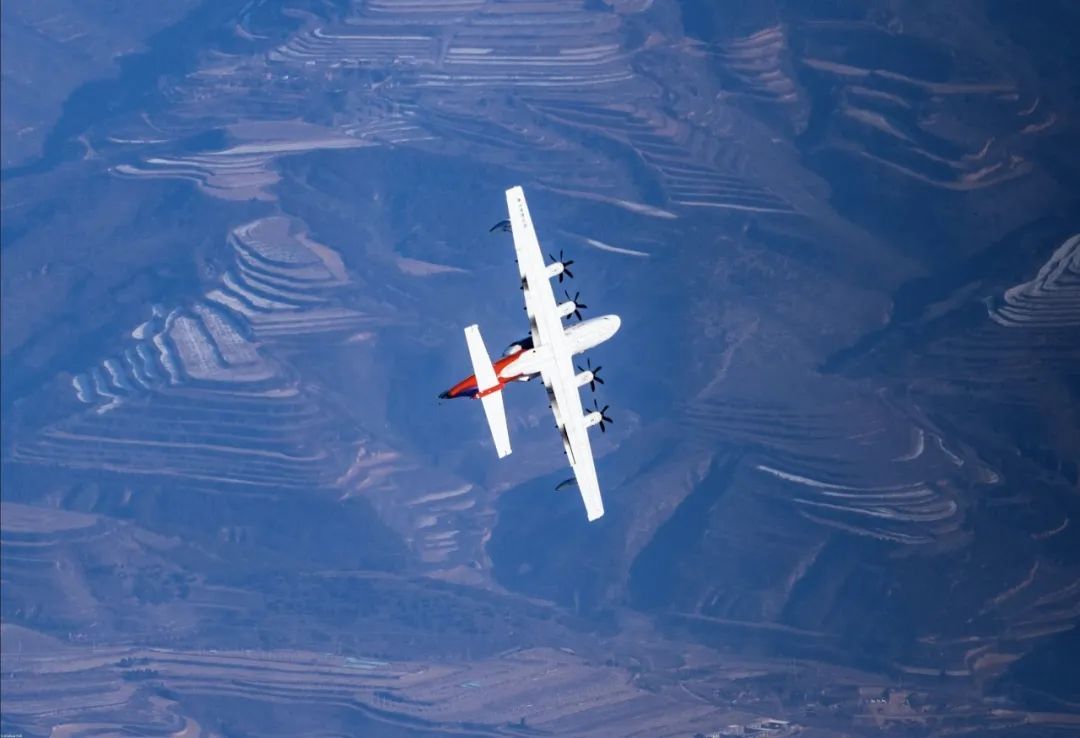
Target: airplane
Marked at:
547, 352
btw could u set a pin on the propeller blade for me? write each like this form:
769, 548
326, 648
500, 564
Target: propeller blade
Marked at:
604, 419
578, 306
596, 379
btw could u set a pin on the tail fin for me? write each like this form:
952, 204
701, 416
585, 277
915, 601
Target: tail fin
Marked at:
489, 390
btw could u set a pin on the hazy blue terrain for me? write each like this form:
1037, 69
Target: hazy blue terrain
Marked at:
240, 241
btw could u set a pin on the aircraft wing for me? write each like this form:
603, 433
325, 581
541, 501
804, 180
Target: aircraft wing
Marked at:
557, 369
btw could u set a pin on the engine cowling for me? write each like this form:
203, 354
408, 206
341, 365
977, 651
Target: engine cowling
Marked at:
555, 269
567, 308
592, 419
583, 378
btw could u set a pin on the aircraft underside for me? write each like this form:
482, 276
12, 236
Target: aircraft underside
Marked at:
548, 352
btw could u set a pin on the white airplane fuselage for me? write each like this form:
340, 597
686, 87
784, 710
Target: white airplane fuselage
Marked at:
581, 337
524, 364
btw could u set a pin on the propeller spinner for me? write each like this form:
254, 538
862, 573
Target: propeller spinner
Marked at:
565, 264
578, 306
603, 415
595, 374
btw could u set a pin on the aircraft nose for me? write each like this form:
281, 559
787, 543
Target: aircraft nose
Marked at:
616, 323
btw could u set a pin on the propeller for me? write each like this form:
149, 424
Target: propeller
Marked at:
603, 414
578, 306
565, 264
595, 374
502, 225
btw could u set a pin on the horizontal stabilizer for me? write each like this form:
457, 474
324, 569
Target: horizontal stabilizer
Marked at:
489, 390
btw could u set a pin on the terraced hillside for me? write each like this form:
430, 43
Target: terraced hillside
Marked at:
843, 242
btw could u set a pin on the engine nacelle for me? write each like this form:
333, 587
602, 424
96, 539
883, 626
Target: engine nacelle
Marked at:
583, 378
555, 269
592, 419
567, 308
